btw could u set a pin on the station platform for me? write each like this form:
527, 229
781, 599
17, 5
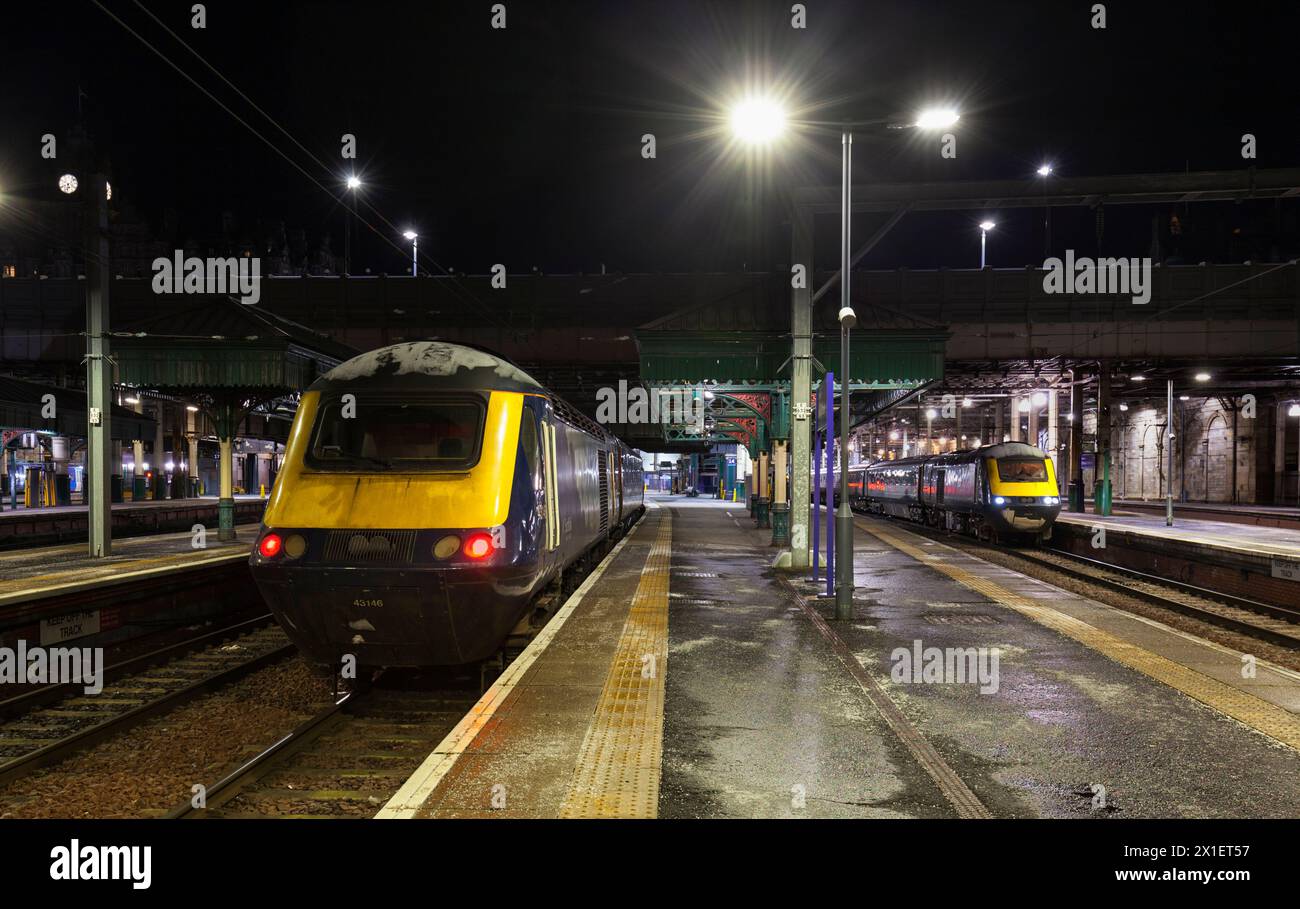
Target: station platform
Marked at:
1252, 561
50, 571
688, 678
61, 523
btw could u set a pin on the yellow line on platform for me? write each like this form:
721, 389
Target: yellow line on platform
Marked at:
618, 769
411, 798
1273, 721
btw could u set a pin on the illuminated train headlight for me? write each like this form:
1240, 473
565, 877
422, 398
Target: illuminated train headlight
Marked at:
1051, 500
998, 500
446, 547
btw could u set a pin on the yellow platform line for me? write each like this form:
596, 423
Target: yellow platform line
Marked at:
419, 788
1273, 721
617, 774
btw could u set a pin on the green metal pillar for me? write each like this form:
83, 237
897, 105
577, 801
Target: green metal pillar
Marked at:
801, 389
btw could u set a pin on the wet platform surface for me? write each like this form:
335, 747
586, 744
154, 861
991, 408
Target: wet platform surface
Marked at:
1281, 541
759, 704
45, 571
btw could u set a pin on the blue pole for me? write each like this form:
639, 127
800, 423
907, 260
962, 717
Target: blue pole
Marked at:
816, 492
829, 450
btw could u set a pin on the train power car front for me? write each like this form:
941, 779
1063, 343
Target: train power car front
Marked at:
1023, 495
404, 526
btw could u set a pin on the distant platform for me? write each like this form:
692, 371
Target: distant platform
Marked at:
688, 678
1251, 561
27, 575
1264, 515
63, 523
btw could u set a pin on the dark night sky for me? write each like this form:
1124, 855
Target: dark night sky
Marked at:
523, 146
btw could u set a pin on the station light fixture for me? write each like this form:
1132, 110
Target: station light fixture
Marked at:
1123, 407
67, 184
1202, 377
931, 414
131, 400
987, 225
757, 120
191, 408
1044, 170
893, 436
937, 118
354, 182
1138, 378
967, 402
1293, 410
1184, 398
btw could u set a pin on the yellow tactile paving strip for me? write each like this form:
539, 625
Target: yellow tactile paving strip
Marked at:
1273, 721
618, 769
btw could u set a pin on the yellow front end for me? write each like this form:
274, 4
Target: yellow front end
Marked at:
1006, 488
477, 497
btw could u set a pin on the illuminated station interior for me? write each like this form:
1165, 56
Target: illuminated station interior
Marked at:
907, 458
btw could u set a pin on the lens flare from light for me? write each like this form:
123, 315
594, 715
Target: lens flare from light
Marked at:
937, 118
757, 120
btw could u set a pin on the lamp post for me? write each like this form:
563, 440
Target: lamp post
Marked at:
415, 250
1045, 171
985, 227
843, 514
759, 121
354, 184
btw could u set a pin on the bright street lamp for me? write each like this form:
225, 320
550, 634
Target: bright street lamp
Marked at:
985, 227
757, 121
937, 118
415, 247
354, 183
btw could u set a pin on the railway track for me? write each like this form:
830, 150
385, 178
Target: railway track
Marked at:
49, 724
345, 762
1275, 624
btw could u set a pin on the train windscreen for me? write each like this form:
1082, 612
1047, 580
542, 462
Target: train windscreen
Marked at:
376, 435
1022, 470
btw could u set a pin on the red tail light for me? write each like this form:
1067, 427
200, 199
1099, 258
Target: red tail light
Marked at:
478, 545
270, 546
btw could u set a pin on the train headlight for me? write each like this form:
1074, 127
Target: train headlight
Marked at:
446, 547
998, 500
295, 544
1051, 500
270, 546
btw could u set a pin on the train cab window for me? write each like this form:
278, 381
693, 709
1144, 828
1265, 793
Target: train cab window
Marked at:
391, 435
530, 443
1021, 470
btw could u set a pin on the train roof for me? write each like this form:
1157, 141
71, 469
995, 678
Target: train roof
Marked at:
424, 364
1000, 450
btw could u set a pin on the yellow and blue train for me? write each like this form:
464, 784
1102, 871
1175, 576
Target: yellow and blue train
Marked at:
430, 493
1004, 492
